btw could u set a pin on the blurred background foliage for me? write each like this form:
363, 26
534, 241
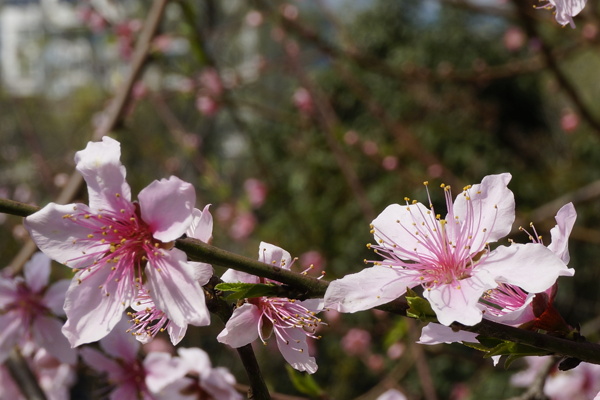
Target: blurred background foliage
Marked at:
300, 121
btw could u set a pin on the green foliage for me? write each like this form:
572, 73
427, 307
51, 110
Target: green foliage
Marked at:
247, 290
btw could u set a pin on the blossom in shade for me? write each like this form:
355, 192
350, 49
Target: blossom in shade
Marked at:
201, 380
392, 394
449, 257
29, 310
579, 383
291, 321
130, 376
117, 246
565, 10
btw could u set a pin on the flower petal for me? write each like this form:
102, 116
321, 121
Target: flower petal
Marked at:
368, 288
91, 313
274, 255
565, 220
242, 327
202, 225
47, 333
162, 369
531, 266
434, 333
37, 272
233, 276
220, 384
459, 301
120, 344
166, 206
402, 228
59, 237
54, 298
175, 292
487, 209
295, 350
100, 363
100, 165
8, 292
11, 332
176, 332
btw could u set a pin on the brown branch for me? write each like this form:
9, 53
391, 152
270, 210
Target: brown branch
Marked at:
23, 376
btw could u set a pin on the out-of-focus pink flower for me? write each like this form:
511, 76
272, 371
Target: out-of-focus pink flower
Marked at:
28, 310
514, 38
132, 377
396, 350
450, 258
314, 259
580, 383
254, 18
290, 320
569, 121
211, 82
256, 190
351, 138
243, 225
115, 244
392, 394
356, 342
303, 101
370, 148
390, 163
201, 379
565, 10
207, 105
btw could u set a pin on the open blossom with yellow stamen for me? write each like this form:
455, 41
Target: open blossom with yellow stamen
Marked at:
449, 257
292, 321
116, 246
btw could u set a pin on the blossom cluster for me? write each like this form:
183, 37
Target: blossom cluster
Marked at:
131, 282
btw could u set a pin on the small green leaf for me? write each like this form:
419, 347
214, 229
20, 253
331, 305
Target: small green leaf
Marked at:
247, 290
304, 383
419, 307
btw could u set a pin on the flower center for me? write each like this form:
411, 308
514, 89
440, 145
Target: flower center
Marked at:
282, 314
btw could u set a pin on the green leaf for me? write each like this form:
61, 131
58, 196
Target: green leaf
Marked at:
419, 307
247, 290
304, 383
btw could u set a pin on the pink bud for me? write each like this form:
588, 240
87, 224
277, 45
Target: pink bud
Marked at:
356, 342
303, 101
514, 38
569, 121
256, 190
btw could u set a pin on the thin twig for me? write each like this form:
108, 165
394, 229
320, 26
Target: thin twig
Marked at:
536, 388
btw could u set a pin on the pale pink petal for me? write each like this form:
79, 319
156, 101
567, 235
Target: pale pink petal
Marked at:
488, 208
37, 272
566, 10
91, 313
161, 370
99, 164
100, 363
200, 272
434, 333
127, 390
295, 351
54, 298
242, 327
121, 344
202, 225
59, 237
234, 276
176, 333
273, 255
195, 360
47, 333
458, 301
166, 206
175, 292
514, 317
530, 266
392, 394
11, 332
399, 224
8, 291
565, 220
368, 288
220, 384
